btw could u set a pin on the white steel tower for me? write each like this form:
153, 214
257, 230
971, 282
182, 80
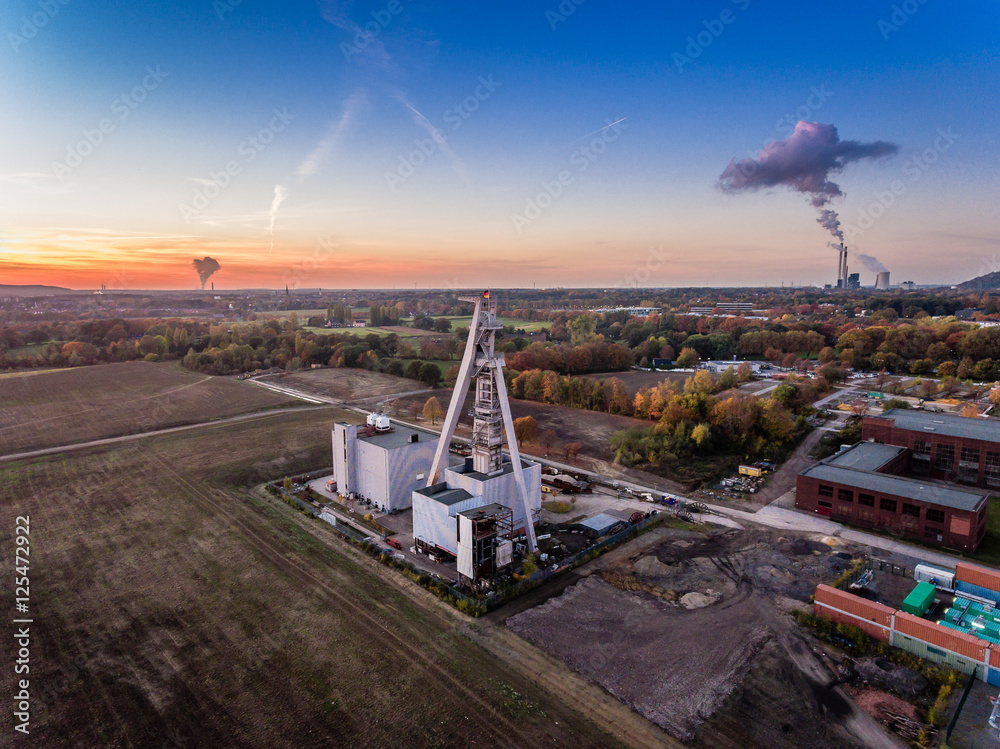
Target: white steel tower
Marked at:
491, 415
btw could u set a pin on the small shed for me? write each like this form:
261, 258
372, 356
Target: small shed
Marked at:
601, 524
919, 599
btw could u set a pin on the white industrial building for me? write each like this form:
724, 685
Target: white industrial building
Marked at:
381, 462
435, 522
435, 507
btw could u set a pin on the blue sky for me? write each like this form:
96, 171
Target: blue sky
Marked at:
698, 85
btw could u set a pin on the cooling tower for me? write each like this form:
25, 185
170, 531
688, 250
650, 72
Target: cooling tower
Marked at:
882, 280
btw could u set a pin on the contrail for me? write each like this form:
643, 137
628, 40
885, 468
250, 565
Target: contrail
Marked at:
601, 129
280, 193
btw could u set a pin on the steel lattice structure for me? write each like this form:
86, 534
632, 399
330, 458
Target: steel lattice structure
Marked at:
491, 414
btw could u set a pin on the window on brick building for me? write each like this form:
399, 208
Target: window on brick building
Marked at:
825, 491
970, 455
888, 505
944, 457
845, 495
868, 500
922, 448
911, 510
934, 516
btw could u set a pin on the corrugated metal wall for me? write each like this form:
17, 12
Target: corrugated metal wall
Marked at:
465, 547
404, 465
976, 575
977, 590
434, 523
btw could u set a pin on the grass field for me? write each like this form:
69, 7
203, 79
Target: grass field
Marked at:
63, 406
175, 606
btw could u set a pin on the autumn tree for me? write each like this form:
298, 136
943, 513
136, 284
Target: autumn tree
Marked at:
432, 410
525, 429
688, 358
572, 449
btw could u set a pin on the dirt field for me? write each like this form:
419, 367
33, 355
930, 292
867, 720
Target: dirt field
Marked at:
176, 608
64, 406
591, 429
691, 630
350, 384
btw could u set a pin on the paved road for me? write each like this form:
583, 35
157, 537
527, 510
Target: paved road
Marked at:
156, 432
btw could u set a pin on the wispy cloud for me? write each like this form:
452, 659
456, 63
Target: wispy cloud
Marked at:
331, 139
280, 193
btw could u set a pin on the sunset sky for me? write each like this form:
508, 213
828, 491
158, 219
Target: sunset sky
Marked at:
399, 143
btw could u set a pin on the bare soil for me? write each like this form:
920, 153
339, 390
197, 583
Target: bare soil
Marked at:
177, 607
348, 385
66, 406
691, 630
592, 429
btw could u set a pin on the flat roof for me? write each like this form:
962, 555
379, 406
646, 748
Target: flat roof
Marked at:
505, 467
600, 522
952, 425
867, 456
491, 509
441, 493
897, 486
398, 437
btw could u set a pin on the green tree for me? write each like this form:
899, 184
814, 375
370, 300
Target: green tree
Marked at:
728, 379
430, 374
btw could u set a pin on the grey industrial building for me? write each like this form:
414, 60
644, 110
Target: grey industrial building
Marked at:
381, 466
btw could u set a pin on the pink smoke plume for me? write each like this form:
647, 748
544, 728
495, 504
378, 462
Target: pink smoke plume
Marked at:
804, 162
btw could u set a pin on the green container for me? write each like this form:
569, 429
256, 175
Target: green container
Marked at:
920, 599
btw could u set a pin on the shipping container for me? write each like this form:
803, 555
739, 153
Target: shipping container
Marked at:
851, 604
984, 577
942, 578
976, 590
751, 471
995, 657
919, 599
942, 637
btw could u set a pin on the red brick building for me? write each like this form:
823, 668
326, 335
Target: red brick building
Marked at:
862, 486
942, 446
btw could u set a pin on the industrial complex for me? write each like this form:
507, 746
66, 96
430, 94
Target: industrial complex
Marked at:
916, 476
469, 511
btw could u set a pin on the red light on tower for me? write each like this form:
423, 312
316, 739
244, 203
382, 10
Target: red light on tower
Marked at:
486, 294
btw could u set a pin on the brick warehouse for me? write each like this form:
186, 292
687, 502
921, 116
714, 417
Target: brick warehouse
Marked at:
863, 486
943, 446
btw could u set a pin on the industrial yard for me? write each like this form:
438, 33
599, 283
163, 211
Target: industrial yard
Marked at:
661, 605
